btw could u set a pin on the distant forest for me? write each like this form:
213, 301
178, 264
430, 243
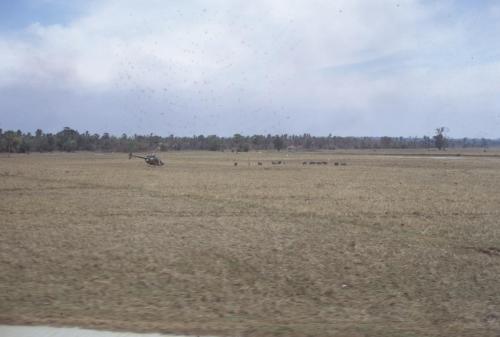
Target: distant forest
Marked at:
71, 140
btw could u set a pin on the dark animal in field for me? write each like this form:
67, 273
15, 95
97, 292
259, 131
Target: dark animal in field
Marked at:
150, 159
277, 162
235, 164
336, 163
259, 163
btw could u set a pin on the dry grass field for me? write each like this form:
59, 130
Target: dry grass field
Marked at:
384, 246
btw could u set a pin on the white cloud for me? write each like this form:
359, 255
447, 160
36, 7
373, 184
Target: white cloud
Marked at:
373, 60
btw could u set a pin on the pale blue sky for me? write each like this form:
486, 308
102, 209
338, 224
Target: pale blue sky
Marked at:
346, 67
18, 14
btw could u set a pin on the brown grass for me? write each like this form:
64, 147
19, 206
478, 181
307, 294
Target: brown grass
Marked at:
385, 246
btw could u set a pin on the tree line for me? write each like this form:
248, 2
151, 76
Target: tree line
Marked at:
71, 140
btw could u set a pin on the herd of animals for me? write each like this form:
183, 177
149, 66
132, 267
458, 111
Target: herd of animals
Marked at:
281, 162
153, 160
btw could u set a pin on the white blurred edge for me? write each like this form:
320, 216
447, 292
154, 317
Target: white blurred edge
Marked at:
45, 331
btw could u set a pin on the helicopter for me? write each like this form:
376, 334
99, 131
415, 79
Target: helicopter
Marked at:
150, 159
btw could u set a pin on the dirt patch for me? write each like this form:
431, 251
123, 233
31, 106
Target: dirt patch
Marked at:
491, 251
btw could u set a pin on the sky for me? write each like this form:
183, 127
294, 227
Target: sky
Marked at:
340, 67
